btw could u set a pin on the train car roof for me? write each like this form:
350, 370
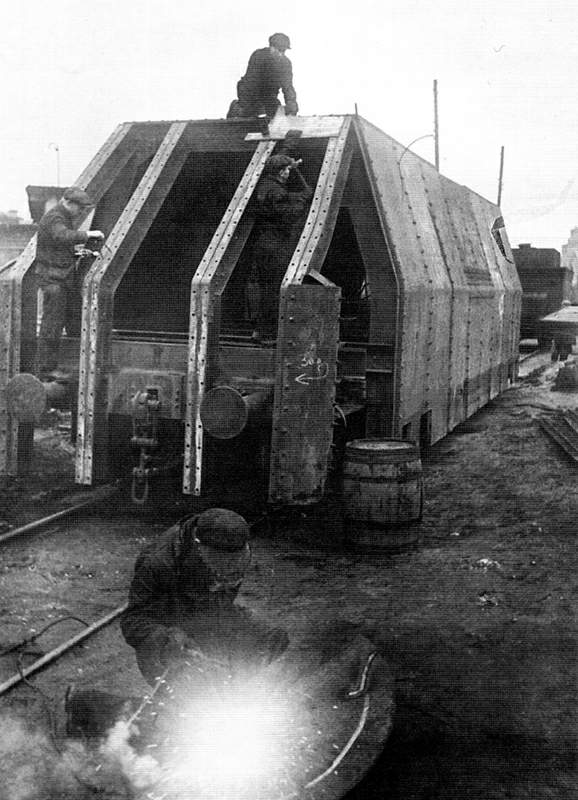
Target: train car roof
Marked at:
243, 133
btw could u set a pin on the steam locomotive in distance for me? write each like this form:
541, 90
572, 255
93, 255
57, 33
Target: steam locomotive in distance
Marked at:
545, 286
399, 312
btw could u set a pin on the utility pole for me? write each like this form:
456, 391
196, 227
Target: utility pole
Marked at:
56, 149
436, 126
501, 175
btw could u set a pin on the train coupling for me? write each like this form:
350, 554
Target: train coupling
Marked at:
146, 407
145, 417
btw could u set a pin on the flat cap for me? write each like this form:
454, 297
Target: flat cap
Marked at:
280, 40
278, 162
74, 194
222, 529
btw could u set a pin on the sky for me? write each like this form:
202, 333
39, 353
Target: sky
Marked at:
506, 73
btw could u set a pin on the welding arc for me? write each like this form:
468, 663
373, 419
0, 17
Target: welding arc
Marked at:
61, 649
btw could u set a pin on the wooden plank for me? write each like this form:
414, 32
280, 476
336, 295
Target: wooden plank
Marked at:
310, 127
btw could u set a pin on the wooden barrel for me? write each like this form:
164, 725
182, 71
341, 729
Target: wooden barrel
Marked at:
382, 494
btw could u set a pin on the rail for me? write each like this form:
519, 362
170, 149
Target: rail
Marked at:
563, 429
48, 658
104, 493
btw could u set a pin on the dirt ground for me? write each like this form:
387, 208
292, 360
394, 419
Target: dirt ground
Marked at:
477, 622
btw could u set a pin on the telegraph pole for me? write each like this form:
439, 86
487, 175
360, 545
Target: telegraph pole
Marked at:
56, 149
501, 175
436, 126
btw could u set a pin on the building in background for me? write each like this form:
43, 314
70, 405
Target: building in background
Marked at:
15, 233
570, 261
14, 236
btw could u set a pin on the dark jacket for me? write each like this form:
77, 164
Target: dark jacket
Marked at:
55, 243
164, 595
279, 207
267, 73
280, 215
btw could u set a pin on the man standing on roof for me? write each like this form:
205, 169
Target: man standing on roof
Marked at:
269, 70
182, 597
55, 264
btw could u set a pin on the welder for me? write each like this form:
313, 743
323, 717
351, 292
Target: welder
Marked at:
182, 597
268, 71
54, 269
283, 197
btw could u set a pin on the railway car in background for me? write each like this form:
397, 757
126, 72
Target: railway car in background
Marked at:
545, 285
399, 312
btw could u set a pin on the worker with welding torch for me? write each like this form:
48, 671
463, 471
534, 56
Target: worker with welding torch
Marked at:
182, 597
58, 234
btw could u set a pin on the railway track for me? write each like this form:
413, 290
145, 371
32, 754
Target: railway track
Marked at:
562, 427
41, 524
66, 568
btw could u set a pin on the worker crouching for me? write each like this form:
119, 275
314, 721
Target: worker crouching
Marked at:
268, 72
182, 597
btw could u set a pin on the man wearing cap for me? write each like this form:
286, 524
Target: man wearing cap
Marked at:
55, 263
268, 71
282, 200
182, 596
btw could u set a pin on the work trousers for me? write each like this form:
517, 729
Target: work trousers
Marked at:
60, 309
246, 107
272, 256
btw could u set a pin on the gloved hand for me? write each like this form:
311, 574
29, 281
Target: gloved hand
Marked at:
291, 108
95, 234
277, 643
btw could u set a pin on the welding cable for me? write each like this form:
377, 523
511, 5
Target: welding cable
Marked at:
362, 688
419, 139
352, 739
30, 639
337, 761
46, 702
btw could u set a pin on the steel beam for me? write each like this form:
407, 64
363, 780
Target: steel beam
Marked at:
320, 223
99, 289
207, 285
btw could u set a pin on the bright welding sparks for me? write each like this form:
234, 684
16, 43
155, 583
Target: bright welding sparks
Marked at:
233, 739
